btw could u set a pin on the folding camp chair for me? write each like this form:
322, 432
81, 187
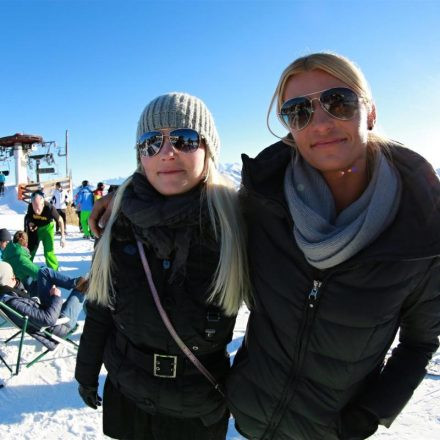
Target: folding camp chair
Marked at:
26, 323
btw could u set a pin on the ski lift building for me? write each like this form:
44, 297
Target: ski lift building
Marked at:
20, 144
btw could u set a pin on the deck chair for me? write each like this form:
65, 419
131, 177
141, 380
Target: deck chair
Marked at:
23, 328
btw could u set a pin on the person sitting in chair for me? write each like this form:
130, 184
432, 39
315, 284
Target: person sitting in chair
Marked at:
36, 279
18, 256
42, 314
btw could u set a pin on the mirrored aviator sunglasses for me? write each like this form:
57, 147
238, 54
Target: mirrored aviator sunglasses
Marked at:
339, 102
185, 140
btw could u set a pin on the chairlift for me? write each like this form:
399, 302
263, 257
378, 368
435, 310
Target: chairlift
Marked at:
29, 144
47, 157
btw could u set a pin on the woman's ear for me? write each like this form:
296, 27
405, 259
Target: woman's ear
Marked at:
371, 119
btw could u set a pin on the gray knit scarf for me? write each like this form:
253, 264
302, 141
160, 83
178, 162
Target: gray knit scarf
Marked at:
168, 225
327, 238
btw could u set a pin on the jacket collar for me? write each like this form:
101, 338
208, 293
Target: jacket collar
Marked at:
6, 290
265, 173
415, 231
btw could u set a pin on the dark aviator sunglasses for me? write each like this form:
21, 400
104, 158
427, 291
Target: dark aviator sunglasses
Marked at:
339, 102
185, 140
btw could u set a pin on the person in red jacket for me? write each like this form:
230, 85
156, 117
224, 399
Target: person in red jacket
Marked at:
99, 191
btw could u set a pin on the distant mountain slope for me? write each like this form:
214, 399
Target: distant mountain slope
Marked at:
232, 170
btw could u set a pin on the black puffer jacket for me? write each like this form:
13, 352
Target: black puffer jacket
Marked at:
38, 315
127, 337
316, 340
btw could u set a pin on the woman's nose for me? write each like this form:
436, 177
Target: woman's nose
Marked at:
167, 148
320, 117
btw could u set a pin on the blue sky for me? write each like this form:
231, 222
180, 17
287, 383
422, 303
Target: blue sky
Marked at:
91, 67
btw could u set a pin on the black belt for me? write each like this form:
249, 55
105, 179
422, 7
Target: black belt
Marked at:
159, 364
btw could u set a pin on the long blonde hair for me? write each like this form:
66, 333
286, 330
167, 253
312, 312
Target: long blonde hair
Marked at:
230, 284
338, 66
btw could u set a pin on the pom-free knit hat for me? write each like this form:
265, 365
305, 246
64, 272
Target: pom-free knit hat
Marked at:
6, 273
5, 235
180, 110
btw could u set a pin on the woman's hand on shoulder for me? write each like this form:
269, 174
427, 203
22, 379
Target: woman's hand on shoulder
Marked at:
100, 214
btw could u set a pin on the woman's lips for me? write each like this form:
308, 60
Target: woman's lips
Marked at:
170, 172
328, 143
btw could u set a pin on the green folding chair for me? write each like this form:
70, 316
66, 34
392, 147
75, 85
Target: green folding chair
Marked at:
26, 323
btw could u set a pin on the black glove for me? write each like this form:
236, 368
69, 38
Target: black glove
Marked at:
357, 423
90, 396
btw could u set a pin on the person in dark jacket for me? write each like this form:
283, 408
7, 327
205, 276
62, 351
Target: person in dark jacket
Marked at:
344, 250
44, 314
185, 216
5, 238
38, 223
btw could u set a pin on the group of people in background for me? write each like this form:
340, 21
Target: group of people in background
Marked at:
31, 289
84, 201
46, 218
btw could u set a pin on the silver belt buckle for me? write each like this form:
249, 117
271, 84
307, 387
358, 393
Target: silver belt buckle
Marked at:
157, 366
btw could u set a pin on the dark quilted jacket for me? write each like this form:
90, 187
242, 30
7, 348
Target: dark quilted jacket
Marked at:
316, 340
133, 328
38, 316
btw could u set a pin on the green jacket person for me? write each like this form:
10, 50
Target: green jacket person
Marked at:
18, 256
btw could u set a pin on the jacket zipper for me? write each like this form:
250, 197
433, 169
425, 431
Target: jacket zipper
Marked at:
313, 295
311, 307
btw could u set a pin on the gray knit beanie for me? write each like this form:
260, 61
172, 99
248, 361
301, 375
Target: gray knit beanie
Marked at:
5, 235
180, 110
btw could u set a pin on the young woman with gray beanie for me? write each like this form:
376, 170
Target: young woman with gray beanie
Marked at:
175, 231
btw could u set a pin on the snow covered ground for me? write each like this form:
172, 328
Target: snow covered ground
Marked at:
42, 402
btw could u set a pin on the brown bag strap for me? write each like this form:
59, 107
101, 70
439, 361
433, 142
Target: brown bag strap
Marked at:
163, 314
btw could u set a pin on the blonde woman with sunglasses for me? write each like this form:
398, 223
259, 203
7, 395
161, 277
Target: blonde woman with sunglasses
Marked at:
175, 231
344, 250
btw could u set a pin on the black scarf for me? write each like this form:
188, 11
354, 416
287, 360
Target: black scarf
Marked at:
167, 224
